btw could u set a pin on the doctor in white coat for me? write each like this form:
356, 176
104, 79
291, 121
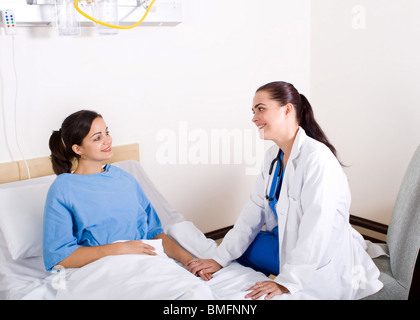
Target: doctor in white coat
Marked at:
302, 198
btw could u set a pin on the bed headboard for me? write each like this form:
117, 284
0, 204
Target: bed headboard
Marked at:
39, 167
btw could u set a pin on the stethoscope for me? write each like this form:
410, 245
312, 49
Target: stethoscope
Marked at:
280, 173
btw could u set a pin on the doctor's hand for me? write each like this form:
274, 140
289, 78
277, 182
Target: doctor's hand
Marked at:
270, 288
203, 267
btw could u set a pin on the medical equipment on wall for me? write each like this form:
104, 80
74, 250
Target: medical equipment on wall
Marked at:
106, 10
69, 16
111, 7
67, 21
108, 13
8, 19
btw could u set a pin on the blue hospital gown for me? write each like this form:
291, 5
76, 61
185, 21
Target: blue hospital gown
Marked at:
93, 210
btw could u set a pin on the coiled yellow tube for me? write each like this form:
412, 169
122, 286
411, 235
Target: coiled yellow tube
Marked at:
111, 25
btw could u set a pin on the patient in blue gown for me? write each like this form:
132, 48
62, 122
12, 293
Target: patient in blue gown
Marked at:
89, 210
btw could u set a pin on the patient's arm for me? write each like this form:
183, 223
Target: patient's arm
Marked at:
177, 253
173, 250
84, 255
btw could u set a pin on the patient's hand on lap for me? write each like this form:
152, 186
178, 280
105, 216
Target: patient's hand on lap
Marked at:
135, 247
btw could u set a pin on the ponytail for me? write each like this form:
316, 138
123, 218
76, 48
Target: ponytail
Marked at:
307, 121
73, 130
285, 93
60, 159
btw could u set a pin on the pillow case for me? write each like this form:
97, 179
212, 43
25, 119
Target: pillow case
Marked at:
21, 216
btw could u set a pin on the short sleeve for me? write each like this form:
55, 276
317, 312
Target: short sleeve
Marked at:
154, 225
58, 239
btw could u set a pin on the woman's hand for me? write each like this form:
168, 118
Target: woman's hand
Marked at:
134, 247
175, 252
84, 255
270, 288
203, 267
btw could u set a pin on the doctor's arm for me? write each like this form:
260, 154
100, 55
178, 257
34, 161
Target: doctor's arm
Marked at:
235, 242
238, 239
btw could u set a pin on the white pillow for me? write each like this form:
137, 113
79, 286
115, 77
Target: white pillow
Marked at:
21, 217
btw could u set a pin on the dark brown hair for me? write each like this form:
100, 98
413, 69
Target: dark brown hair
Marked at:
73, 130
285, 93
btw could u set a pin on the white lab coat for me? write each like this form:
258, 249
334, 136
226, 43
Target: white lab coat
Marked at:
321, 255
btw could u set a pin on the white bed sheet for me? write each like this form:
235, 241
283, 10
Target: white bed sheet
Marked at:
130, 276
137, 276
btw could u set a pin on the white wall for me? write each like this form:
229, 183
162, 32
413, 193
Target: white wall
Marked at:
365, 81
356, 60
152, 80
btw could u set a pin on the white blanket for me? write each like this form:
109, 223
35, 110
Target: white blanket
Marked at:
133, 277
148, 277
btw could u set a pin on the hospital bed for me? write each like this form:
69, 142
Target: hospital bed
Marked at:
23, 276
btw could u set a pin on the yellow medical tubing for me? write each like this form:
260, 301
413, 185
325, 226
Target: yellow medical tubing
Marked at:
111, 25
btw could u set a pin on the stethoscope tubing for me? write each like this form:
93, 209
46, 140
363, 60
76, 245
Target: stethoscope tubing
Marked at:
278, 158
